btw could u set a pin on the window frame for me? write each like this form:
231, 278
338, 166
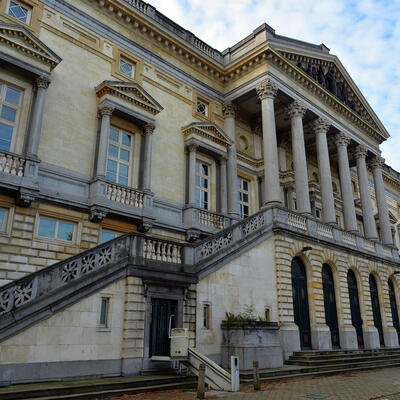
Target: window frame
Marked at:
199, 188
75, 232
206, 324
130, 164
23, 5
127, 61
117, 234
206, 105
107, 326
240, 200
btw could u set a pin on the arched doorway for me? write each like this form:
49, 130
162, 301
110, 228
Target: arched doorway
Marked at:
376, 309
393, 307
300, 302
355, 306
330, 304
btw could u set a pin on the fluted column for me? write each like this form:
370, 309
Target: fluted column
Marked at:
32, 147
105, 112
384, 223
192, 149
228, 111
296, 111
368, 215
266, 91
146, 165
321, 127
350, 220
223, 186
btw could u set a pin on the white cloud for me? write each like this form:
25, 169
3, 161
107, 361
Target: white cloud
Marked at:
364, 34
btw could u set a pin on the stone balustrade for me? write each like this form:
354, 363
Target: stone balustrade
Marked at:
11, 163
164, 251
349, 238
211, 219
124, 195
296, 220
369, 245
325, 230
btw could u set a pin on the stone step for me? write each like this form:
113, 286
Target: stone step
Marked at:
317, 353
303, 373
347, 362
96, 388
337, 359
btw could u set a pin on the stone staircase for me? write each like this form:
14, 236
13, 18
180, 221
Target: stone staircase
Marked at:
96, 388
307, 364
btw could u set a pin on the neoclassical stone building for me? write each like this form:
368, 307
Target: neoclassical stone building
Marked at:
149, 181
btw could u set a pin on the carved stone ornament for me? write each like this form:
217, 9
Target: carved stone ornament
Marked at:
192, 147
192, 235
149, 128
42, 82
266, 90
25, 199
229, 109
377, 162
296, 109
97, 214
320, 125
106, 110
360, 151
144, 226
341, 139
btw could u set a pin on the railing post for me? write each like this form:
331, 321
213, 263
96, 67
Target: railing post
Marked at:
201, 381
256, 376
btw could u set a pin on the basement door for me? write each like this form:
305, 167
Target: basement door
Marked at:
376, 310
163, 319
300, 302
355, 307
330, 304
393, 307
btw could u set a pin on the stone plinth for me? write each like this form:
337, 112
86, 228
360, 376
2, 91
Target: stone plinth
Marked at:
251, 341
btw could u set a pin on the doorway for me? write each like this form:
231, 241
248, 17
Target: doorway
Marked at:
355, 306
376, 309
393, 307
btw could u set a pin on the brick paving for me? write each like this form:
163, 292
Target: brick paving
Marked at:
382, 384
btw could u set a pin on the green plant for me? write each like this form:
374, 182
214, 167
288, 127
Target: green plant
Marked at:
248, 315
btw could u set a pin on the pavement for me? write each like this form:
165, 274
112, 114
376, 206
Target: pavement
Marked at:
381, 384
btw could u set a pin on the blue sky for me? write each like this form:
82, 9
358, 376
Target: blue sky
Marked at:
365, 35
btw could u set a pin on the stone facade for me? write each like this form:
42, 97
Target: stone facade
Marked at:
224, 167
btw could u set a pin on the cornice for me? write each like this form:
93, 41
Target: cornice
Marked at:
208, 130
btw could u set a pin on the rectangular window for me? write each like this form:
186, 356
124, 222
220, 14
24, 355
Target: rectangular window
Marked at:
318, 214
202, 185
119, 156
3, 219
108, 235
202, 108
127, 68
19, 11
206, 316
10, 99
243, 197
55, 229
103, 320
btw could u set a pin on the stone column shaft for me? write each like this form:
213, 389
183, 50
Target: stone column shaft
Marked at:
383, 212
349, 211
321, 127
223, 186
296, 112
42, 83
266, 91
146, 173
230, 129
192, 175
368, 215
105, 112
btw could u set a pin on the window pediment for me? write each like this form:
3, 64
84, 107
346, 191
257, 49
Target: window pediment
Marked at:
128, 92
16, 38
207, 132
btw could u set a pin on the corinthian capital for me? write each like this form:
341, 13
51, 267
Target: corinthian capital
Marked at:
377, 162
360, 151
42, 82
266, 89
296, 109
229, 109
106, 110
149, 128
320, 125
341, 139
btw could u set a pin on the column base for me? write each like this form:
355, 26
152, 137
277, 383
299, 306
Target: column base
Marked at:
290, 339
348, 338
321, 337
390, 338
371, 337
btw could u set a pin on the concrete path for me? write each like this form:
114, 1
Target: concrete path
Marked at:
382, 384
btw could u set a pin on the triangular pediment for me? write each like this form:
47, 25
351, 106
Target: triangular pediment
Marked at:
329, 74
17, 38
208, 130
130, 92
